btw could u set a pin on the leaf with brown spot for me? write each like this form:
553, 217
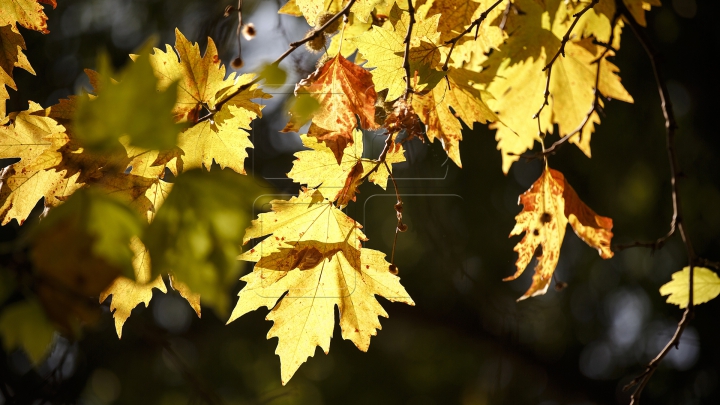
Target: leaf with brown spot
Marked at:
548, 206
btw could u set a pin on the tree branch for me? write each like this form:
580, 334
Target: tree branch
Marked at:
476, 25
406, 56
292, 47
677, 222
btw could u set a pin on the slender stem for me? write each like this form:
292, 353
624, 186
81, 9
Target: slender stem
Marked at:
561, 51
400, 227
677, 222
406, 56
476, 25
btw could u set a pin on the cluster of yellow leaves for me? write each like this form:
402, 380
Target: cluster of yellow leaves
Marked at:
313, 258
55, 161
548, 206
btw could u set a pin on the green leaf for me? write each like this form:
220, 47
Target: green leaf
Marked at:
88, 236
273, 74
706, 286
24, 325
133, 108
197, 232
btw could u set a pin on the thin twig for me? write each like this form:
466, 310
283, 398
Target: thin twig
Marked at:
561, 51
292, 47
389, 141
595, 107
476, 25
406, 56
505, 15
677, 223
400, 227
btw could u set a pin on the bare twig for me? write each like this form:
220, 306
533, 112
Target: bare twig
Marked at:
708, 263
561, 51
381, 159
406, 56
505, 15
595, 107
475, 25
677, 223
292, 47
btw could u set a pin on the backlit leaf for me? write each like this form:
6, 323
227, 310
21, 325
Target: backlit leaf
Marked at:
548, 206
706, 286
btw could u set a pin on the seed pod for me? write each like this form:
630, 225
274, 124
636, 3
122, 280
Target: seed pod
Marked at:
393, 269
324, 18
248, 31
402, 227
316, 44
237, 63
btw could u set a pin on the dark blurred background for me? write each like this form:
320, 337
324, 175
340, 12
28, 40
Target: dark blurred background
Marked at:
467, 340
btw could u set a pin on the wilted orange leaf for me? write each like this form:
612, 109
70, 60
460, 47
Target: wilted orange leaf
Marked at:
548, 206
343, 90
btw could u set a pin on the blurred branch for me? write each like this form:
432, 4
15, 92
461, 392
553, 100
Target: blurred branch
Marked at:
677, 223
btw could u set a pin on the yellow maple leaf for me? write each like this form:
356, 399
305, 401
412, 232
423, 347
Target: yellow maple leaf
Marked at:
344, 92
127, 293
706, 286
456, 16
305, 316
223, 139
199, 78
192, 298
202, 84
34, 139
317, 168
11, 56
384, 48
28, 14
434, 109
517, 81
308, 217
548, 206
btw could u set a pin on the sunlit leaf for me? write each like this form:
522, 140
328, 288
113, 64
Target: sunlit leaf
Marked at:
706, 286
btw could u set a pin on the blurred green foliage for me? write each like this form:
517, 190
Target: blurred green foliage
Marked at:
127, 108
197, 232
